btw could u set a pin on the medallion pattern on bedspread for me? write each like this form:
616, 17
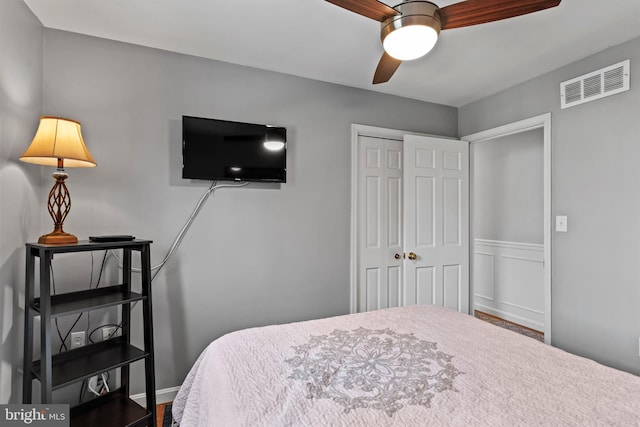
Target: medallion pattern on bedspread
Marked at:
378, 369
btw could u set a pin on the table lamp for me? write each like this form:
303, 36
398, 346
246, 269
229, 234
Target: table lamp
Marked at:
58, 142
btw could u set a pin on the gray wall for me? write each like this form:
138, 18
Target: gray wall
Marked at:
255, 255
20, 184
507, 188
595, 151
262, 255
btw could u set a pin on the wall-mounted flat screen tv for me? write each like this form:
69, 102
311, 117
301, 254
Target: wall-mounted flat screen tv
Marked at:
233, 151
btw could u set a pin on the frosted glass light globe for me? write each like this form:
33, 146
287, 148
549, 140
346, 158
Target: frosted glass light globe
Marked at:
410, 42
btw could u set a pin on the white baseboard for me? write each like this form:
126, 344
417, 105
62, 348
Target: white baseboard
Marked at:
164, 395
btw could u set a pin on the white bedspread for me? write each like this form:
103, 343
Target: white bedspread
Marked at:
417, 365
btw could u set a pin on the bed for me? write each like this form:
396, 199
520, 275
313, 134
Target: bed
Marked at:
416, 365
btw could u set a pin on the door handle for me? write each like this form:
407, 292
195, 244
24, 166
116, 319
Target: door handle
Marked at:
398, 256
412, 256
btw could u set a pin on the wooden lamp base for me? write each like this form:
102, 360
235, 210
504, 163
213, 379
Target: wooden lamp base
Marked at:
59, 205
58, 238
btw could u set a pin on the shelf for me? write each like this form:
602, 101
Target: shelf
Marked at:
86, 245
75, 365
80, 301
112, 409
55, 371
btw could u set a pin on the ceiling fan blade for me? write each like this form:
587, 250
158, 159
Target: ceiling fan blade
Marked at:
373, 9
473, 12
386, 67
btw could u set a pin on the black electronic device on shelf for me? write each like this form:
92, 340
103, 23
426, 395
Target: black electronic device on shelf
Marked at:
112, 238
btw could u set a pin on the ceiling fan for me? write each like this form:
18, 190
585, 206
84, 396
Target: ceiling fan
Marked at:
410, 29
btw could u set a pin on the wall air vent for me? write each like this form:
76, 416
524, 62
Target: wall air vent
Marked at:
598, 84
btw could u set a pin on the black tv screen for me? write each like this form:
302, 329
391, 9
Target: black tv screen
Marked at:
232, 151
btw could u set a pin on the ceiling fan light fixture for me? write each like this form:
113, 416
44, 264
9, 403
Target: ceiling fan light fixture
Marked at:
410, 42
413, 32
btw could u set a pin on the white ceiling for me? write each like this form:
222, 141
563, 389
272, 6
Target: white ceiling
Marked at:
317, 40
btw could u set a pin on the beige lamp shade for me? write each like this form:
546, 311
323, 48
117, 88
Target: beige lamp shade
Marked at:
58, 138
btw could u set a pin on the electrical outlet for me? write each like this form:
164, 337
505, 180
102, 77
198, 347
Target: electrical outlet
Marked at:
108, 332
78, 339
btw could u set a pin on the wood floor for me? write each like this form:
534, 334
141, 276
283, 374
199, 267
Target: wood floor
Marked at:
532, 333
160, 413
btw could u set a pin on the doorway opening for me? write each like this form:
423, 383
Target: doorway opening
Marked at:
510, 226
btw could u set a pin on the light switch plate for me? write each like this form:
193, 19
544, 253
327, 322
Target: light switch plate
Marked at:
561, 223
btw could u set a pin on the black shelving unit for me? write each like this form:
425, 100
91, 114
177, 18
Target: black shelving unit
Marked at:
58, 370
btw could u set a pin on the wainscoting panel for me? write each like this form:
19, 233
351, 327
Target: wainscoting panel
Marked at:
508, 281
483, 276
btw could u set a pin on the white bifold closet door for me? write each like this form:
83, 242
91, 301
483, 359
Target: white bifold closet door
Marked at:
413, 222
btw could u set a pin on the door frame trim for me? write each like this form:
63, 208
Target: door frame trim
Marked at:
542, 121
358, 130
